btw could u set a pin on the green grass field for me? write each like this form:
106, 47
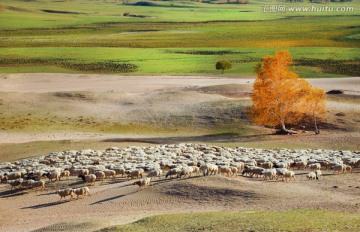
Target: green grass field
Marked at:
180, 37
296, 220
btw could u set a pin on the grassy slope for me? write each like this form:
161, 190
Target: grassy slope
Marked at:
296, 220
85, 33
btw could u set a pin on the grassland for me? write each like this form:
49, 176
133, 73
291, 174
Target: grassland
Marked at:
296, 220
178, 38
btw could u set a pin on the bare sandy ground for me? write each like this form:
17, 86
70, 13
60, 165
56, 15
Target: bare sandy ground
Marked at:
42, 82
144, 98
149, 98
118, 202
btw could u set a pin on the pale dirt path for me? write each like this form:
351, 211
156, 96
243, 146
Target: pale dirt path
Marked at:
117, 202
40, 83
54, 82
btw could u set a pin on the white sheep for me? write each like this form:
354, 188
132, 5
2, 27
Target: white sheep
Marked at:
196, 170
338, 168
12, 175
287, 175
109, 173
63, 193
315, 166
135, 173
210, 169
27, 183
100, 175
269, 174
186, 171
267, 165
38, 184
82, 191
65, 173
347, 168
318, 174
15, 183
155, 173
91, 178
143, 183
52, 175
311, 176
225, 170
234, 171
119, 171
172, 172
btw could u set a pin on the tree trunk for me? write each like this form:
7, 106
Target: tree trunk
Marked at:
316, 128
222, 71
283, 129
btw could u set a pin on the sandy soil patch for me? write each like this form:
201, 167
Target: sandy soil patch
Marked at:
118, 202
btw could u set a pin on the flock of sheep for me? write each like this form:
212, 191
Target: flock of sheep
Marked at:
180, 160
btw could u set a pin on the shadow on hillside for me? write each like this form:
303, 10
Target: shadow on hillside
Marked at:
215, 138
12, 193
108, 199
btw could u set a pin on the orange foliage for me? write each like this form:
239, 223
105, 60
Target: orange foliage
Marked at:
280, 97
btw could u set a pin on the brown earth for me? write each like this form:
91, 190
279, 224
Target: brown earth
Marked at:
118, 201
70, 109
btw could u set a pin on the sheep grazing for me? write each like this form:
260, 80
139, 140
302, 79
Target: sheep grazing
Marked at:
311, 176
27, 183
15, 183
348, 168
65, 173
32, 176
196, 170
38, 184
186, 171
135, 173
63, 193
172, 172
52, 175
288, 175
109, 173
155, 173
210, 169
318, 174
315, 166
143, 183
82, 191
253, 171
269, 174
300, 164
12, 175
338, 168
267, 165
91, 178
100, 175
119, 171
225, 170
234, 170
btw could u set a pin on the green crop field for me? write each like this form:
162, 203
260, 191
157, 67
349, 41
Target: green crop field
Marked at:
174, 37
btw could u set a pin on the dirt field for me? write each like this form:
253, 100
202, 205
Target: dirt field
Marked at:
84, 112
118, 202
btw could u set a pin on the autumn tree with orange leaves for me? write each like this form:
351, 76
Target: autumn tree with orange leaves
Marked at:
280, 98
